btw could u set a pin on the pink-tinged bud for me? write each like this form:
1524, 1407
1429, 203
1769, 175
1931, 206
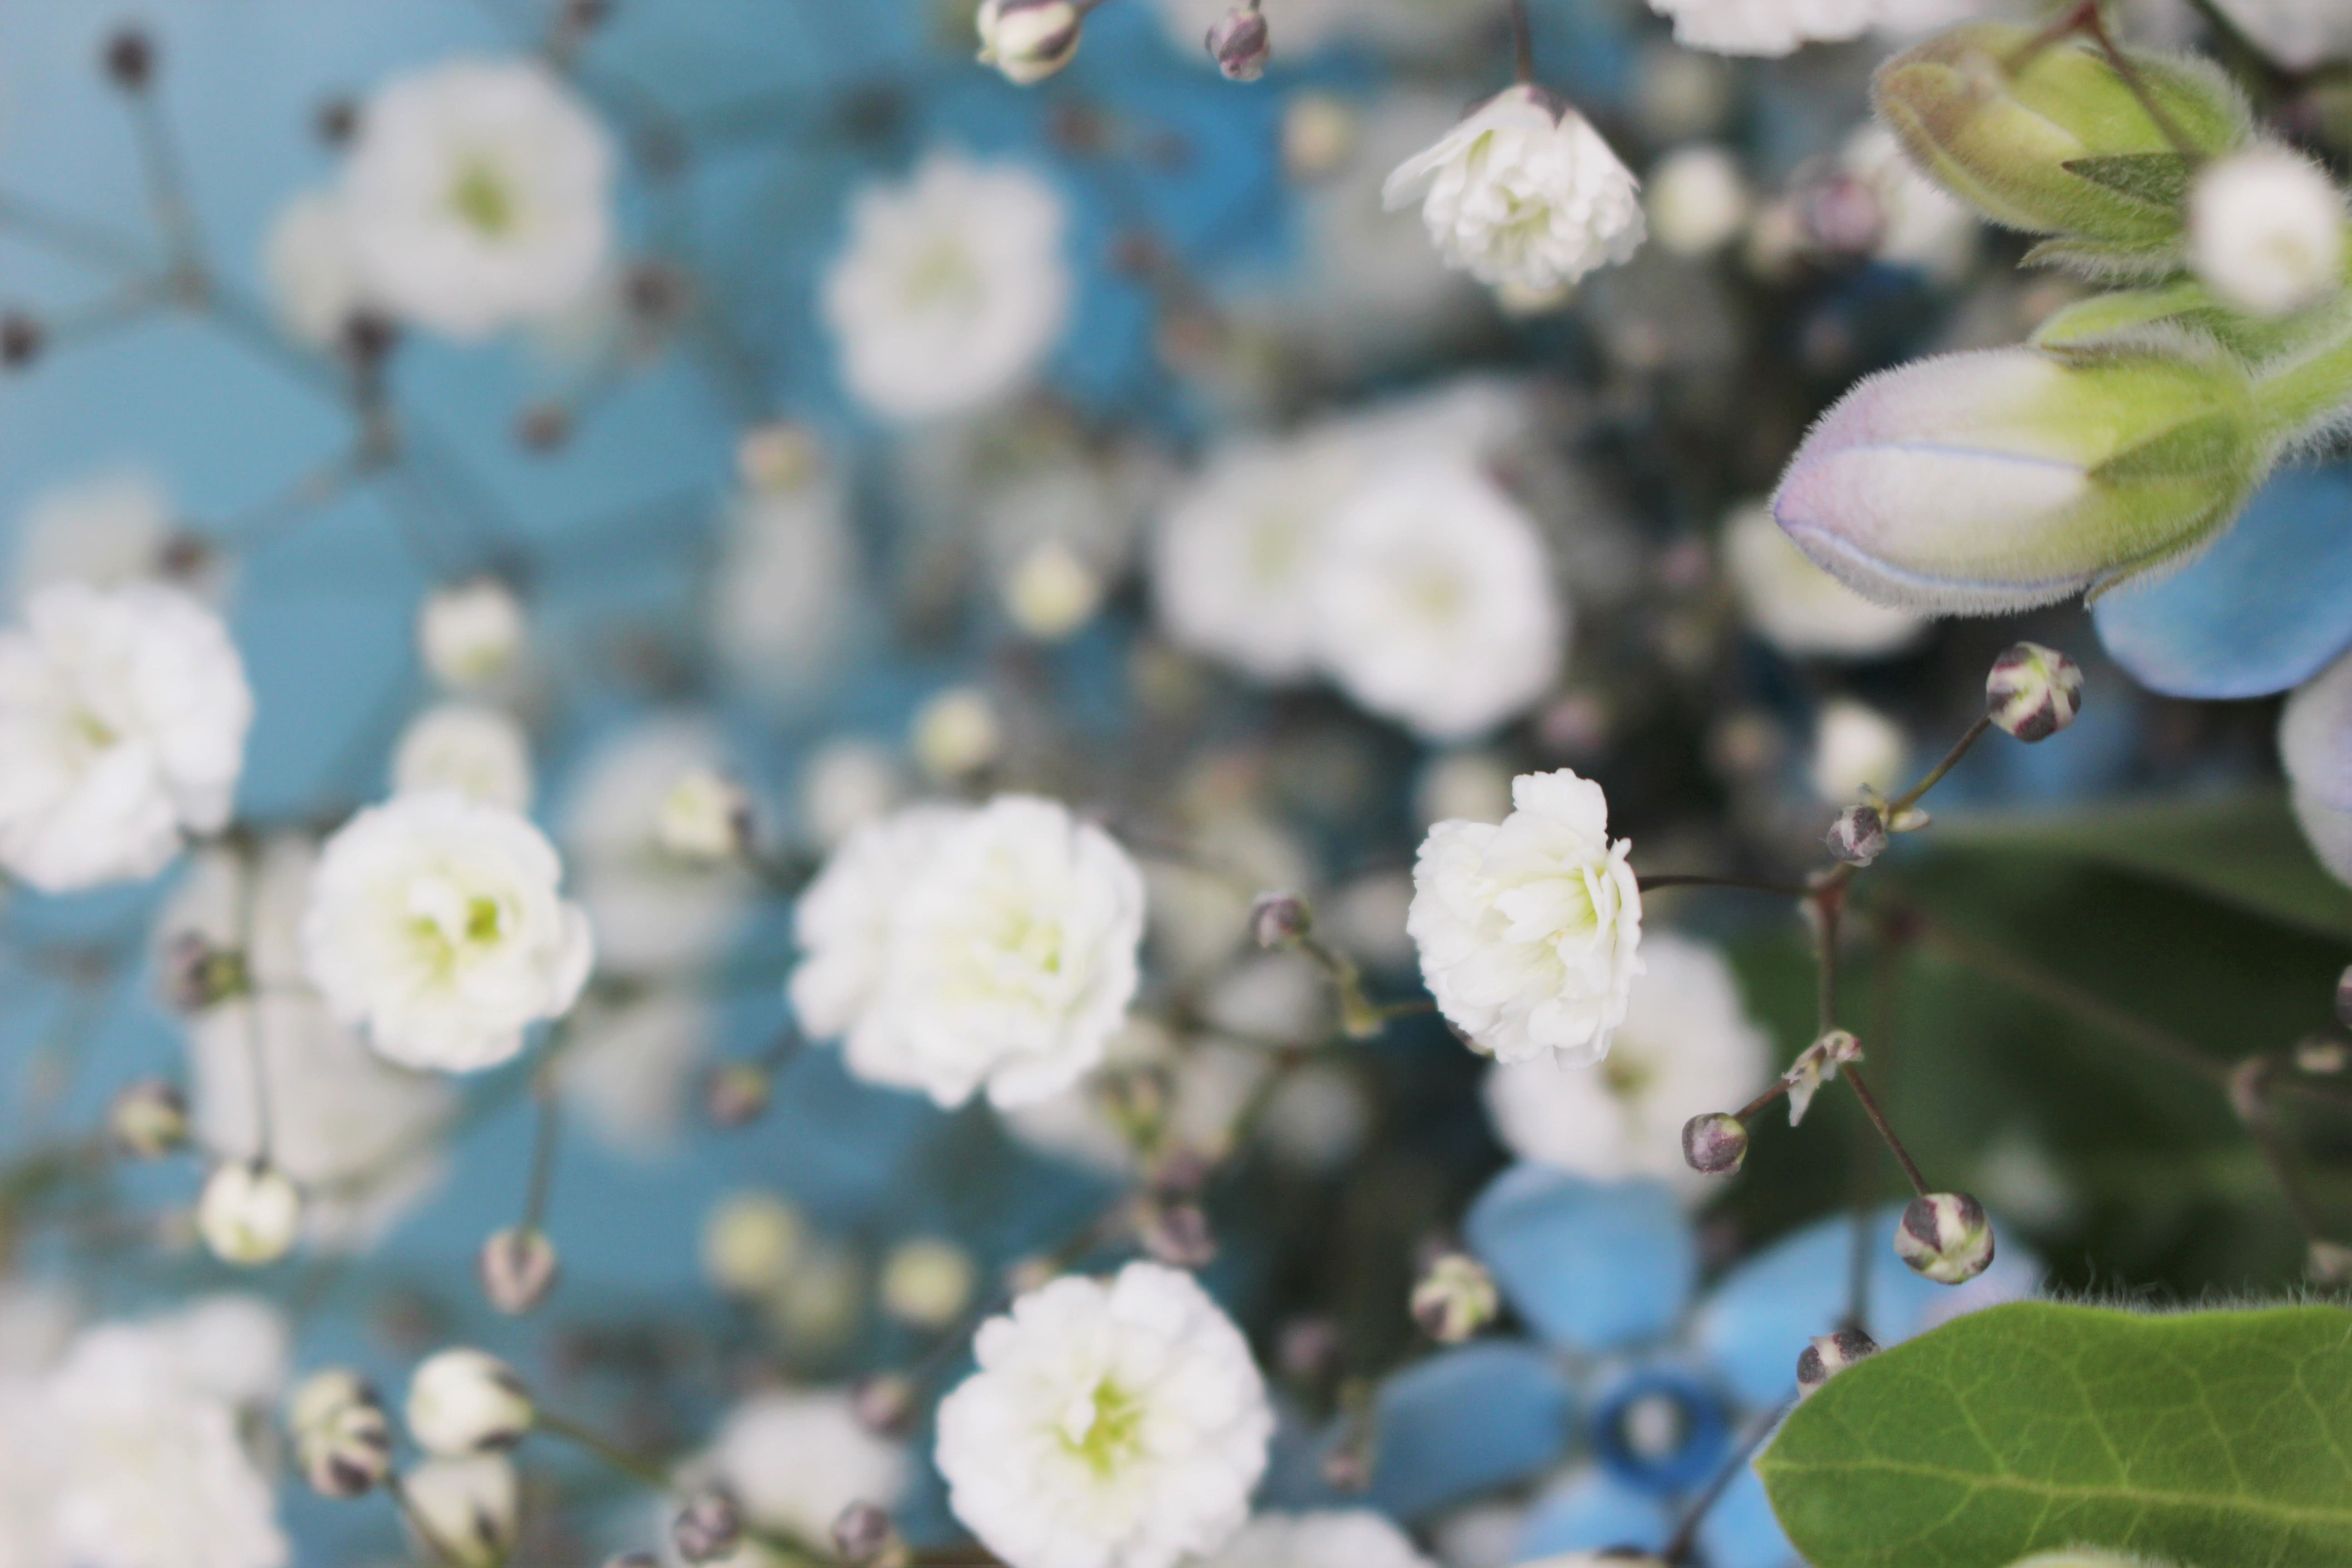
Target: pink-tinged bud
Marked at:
1829, 1355
864, 1532
1859, 834
518, 1269
2033, 691
2329, 1263
1715, 1144
1240, 44
708, 1526
1988, 482
736, 1094
1944, 1236
1176, 1234
343, 1438
1278, 921
884, 1405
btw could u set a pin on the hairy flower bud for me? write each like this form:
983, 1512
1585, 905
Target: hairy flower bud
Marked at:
1946, 1238
149, 1118
1987, 482
517, 1267
342, 1439
1715, 1144
1829, 1354
2033, 691
1240, 44
1029, 40
1454, 1299
467, 1401
708, 1525
2052, 139
864, 1532
249, 1213
1859, 834
1278, 921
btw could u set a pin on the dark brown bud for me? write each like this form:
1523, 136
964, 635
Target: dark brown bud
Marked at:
130, 59
1715, 1144
1829, 1354
338, 120
22, 338
544, 428
1240, 44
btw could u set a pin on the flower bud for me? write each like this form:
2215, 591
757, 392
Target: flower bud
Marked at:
249, 1213
2329, 1263
1715, 1144
1859, 834
1986, 482
149, 1118
883, 1403
464, 1401
1946, 1238
2343, 997
197, 975
1176, 1234
1280, 921
2051, 139
467, 1512
704, 817
342, 1439
1240, 43
736, 1094
517, 1267
1829, 1355
1029, 40
22, 338
864, 1532
707, 1527
927, 1282
471, 634
2321, 1056
2033, 691
130, 58
750, 1243
2266, 231
1454, 1299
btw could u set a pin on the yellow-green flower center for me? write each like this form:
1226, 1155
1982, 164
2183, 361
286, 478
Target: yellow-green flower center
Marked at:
484, 198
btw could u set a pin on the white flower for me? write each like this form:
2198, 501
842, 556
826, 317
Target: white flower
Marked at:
122, 722
2296, 34
1528, 930
1855, 749
473, 1508
784, 587
1921, 224
1766, 26
950, 288
105, 531
958, 949
480, 753
478, 196
471, 634
1699, 200
631, 1064
314, 278
1326, 1538
1687, 1047
955, 733
654, 912
1798, 607
1523, 194
795, 1460
248, 1213
752, 1243
706, 817
436, 925
1114, 1424
2266, 231
464, 1401
926, 1282
1433, 603
847, 784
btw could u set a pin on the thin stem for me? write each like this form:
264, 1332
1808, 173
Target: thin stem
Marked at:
71, 235
1878, 1119
256, 1050
642, 1470
1523, 43
2250, 1097
167, 188
2095, 24
544, 1140
1649, 883
1677, 1550
1780, 1086
1961, 748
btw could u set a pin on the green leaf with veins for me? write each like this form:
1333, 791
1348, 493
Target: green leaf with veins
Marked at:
2220, 1439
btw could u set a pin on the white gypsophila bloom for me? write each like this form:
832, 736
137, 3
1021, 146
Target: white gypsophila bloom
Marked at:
784, 582
1528, 930
957, 949
480, 753
1798, 607
1766, 26
630, 1066
1699, 200
1921, 224
314, 278
654, 912
1468, 786
437, 926
2266, 231
123, 713
2295, 34
1687, 1046
1112, 1423
1321, 1538
471, 634
846, 784
1856, 750
471, 1507
795, 1459
478, 196
1433, 602
950, 288
1524, 194
105, 531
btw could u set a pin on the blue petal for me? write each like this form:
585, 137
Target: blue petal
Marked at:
2265, 608
1591, 1510
1741, 1531
1467, 1421
1592, 1265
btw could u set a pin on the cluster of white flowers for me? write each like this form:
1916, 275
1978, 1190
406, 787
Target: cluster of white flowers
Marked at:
955, 949
1378, 550
1529, 930
794, 1461
1112, 1423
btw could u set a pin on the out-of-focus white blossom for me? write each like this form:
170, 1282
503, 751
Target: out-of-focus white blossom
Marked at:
960, 949
796, 1460
480, 753
927, 1281
123, 714
2296, 34
1467, 786
472, 1506
631, 1066
1687, 1046
477, 196
1766, 26
846, 784
706, 815
1112, 1423
654, 912
751, 1242
1523, 194
464, 1401
1699, 201
955, 733
950, 288
249, 1213
1324, 1538
437, 926
471, 634
105, 532
2266, 231
1236, 551
1529, 930
784, 586
314, 278
1798, 607
1921, 224
1855, 748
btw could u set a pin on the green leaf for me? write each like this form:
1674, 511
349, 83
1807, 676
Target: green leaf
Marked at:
2219, 1438
2159, 179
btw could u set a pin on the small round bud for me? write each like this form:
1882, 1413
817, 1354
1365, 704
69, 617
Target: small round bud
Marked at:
22, 338
1829, 1355
2343, 997
1454, 1299
1308, 1349
736, 1094
249, 1213
1859, 834
464, 1512
149, 1118
1240, 44
1715, 1144
1177, 1234
927, 1282
1029, 40
704, 817
130, 59
956, 734
751, 1242
2033, 691
2329, 1263
1280, 921
544, 428
884, 1405
336, 122
708, 1526
198, 976
1946, 1238
342, 1439
517, 1267
471, 633
369, 338
1347, 1469
863, 1532
467, 1401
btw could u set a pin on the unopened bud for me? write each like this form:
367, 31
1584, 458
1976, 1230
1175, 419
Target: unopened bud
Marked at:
1944, 1236
1454, 1299
1308, 1349
149, 1118
1715, 1144
1240, 44
1177, 1234
249, 1213
704, 817
130, 59
517, 1267
2321, 1056
1859, 834
1816, 1066
2033, 691
708, 1526
197, 975
542, 427
1347, 1469
736, 1094
1278, 921
22, 338
1829, 1355
864, 1532
2343, 997
464, 1512
1029, 40
884, 1405
2330, 1263
467, 1401
342, 1439
926, 1282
